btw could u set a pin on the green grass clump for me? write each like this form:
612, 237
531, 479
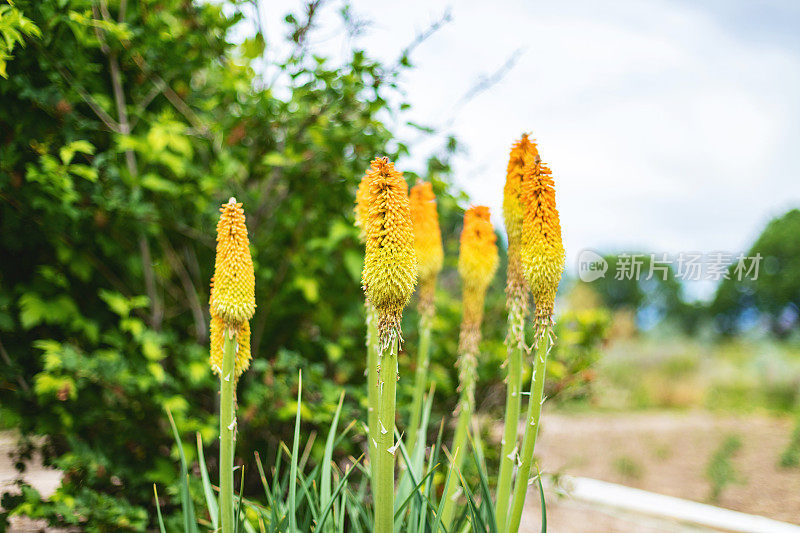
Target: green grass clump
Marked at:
721, 471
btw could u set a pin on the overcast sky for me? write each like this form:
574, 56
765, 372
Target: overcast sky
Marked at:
669, 126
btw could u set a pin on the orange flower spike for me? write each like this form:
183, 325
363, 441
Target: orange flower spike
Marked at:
362, 207
427, 242
233, 297
512, 206
542, 250
516, 286
477, 261
390, 263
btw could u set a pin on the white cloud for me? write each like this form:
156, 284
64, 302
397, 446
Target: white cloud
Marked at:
665, 130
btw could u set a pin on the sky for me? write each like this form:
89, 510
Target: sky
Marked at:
669, 126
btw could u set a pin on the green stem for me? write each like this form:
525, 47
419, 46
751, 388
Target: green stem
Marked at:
420, 381
384, 491
531, 430
516, 324
450, 494
227, 429
372, 391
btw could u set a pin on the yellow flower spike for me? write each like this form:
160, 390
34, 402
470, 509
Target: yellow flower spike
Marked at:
233, 298
427, 242
542, 251
477, 264
390, 264
516, 286
242, 353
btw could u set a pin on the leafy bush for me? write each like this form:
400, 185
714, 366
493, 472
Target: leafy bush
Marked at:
120, 139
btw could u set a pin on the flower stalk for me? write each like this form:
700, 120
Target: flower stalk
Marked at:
517, 296
227, 429
430, 259
477, 264
542, 260
372, 390
389, 276
420, 381
384, 502
531, 431
232, 305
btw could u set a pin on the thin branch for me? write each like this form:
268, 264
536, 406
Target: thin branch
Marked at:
299, 37
421, 37
483, 84
156, 309
179, 104
104, 117
20, 379
188, 288
142, 106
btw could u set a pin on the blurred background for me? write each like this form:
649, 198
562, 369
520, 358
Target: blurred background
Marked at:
670, 128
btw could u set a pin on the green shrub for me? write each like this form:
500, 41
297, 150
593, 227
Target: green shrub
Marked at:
103, 309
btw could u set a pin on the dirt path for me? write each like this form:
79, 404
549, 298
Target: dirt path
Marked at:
667, 453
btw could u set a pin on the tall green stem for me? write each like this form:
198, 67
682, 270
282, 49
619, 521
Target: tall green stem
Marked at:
372, 391
531, 431
227, 430
420, 381
384, 490
450, 494
516, 325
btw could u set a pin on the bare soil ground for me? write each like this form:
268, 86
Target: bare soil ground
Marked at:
667, 453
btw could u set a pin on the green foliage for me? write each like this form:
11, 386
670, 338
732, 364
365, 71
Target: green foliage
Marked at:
628, 468
775, 294
721, 471
121, 135
14, 28
329, 497
572, 361
790, 458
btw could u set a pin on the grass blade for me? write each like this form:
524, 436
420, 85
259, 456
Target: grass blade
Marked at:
325, 479
414, 493
158, 510
339, 487
293, 468
486, 495
208, 491
541, 498
270, 500
478, 522
438, 523
239, 504
342, 513
187, 506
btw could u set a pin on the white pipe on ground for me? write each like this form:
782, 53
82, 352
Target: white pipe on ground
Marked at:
658, 505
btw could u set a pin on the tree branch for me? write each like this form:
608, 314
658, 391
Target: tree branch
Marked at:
156, 309
20, 379
188, 288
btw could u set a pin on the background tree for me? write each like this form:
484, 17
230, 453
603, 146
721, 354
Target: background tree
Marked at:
775, 294
626, 286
